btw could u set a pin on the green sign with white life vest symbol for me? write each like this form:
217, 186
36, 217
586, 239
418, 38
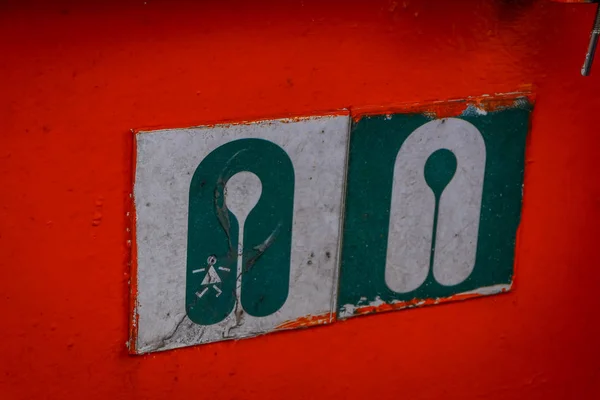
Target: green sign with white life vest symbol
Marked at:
432, 207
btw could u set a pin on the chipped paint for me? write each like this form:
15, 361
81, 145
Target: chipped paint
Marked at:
305, 322
132, 248
453, 107
378, 305
232, 123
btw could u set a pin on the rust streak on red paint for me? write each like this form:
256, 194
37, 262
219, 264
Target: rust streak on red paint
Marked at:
416, 303
449, 108
309, 320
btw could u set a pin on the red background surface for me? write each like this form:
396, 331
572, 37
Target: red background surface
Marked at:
76, 76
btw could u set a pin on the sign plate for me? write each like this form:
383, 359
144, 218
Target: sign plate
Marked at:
432, 207
237, 230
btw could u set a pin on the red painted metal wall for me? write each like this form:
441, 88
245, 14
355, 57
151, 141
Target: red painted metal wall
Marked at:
76, 76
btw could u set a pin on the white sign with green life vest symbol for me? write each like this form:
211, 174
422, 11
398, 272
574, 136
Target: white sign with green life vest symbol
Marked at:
237, 229
432, 207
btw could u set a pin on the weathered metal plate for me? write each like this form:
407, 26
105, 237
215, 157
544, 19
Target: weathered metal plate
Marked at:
237, 230
433, 203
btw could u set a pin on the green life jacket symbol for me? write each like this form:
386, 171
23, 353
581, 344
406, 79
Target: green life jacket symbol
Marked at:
435, 205
239, 231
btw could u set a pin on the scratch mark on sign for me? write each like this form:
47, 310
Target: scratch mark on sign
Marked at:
222, 211
261, 248
239, 321
163, 342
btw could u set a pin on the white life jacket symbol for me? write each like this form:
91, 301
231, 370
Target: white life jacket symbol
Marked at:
413, 207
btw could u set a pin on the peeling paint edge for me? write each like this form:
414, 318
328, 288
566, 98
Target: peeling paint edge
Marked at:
300, 323
347, 311
481, 104
433, 108
307, 321
133, 264
378, 305
226, 123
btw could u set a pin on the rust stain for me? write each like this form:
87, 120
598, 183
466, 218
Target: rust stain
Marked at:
416, 303
451, 107
309, 320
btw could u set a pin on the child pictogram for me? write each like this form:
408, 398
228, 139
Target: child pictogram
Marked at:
211, 278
